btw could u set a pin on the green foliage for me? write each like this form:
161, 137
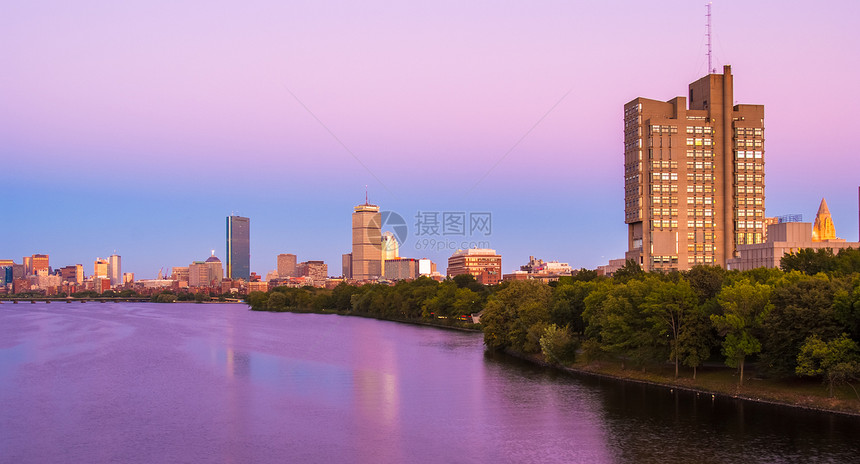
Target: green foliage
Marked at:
745, 306
277, 301
557, 345
164, 297
512, 311
846, 308
803, 306
672, 309
257, 300
837, 360
630, 270
569, 304
706, 281
809, 261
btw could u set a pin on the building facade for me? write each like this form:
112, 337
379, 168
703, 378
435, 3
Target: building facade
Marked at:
401, 268
286, 265
238, 247
100, 268
366, 262
483, 263
115, 270
693, 176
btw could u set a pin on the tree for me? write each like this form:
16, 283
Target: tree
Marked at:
630, 270
846, 308
809, 261
277, 302
569, 303
836, 360
670, 308
801, 308
706, 281
512, 311
745, 305
257, 300
557, 345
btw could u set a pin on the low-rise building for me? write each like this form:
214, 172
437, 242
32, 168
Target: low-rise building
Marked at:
483, 263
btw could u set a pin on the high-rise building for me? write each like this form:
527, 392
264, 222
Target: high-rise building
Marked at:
317, 271
693, 177
366, 242
216, 270
40, 265
238, 247
286, 265
390, 246
346, 265
100, 268
115, 270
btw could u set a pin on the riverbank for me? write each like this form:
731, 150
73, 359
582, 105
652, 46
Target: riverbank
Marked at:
721, 382
429, 323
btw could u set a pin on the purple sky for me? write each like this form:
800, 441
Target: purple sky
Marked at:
138, 126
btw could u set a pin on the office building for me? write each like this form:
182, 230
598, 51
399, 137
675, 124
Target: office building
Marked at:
238, 248
286, 265
115, 270
100, 268
73, 273
483, 263
693, 176
316, 271
39, 265
216, 270
390, 246
346, 265
366, 262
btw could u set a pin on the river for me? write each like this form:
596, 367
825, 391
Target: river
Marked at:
185, 382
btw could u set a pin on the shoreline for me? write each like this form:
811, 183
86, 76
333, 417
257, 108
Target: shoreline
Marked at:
574, 371
369, 316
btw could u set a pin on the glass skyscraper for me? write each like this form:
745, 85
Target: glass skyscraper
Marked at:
238, 247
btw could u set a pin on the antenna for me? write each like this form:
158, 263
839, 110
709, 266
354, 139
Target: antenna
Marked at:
365, 195
708, 34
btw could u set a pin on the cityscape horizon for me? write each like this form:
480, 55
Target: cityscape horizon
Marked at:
145, 148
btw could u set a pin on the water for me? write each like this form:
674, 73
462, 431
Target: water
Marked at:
145, 383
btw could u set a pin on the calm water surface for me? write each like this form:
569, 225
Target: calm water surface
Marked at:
146, 383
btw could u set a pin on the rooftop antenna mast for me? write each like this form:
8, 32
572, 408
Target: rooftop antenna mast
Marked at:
365, 196
711, 68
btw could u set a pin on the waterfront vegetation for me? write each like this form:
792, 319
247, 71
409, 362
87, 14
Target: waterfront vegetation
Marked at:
787, 335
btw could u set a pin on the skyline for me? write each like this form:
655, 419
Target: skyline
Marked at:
129, 129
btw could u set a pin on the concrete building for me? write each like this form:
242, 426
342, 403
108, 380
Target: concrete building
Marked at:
72, 273
40, 265
401, 269
179, 274
789, 237
538, 269
215, 270
238, 247
100, 268
346, 265
115, 270
366, 262
610, 268
693, 176
483, 263
198, 274
286, 265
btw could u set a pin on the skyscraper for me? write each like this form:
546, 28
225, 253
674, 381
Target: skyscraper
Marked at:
114, 270
238, 247
100, 268
286, 265
693, 178
366, 242
390, 246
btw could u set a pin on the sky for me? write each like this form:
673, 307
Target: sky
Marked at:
137, 127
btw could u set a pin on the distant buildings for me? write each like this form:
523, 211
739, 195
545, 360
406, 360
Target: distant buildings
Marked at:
789, 237
238, 247
390, 246
366, 257
207, 273
100, 267
314, 271
693, 177
483, 263
401, 269
115, 270
286, 265
538, 269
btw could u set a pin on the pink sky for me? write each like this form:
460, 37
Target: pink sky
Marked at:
113, 112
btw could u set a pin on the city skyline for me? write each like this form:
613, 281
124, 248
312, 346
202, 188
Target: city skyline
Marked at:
285, 114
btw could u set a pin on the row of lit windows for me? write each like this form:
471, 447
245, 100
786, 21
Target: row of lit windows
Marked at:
697, 142
748, 225
660, 223
666, 188
749, 131
748, 238
745, 213
700, 212
664, 176
752, 166
664, 164
700, 165
664, 259
699, 223
664, 200
748, 143
709, 236
701, 189
749, 177
749, 189
700, 200
700, 130
699, 177
757, 201
700, 259
664, 212
700, 154
748, 154
699, 247
656, 129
